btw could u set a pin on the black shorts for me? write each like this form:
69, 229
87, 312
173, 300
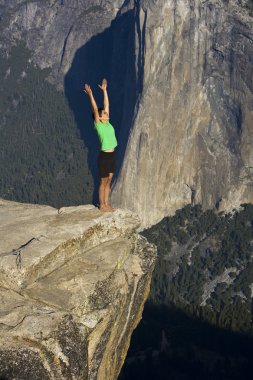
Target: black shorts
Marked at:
106, 163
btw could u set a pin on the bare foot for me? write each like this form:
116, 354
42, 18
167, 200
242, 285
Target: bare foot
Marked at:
109, 208
105, 208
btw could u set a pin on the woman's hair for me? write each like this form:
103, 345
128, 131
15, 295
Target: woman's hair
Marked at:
100, 109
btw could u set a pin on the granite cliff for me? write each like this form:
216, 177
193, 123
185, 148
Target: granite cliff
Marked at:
181, 75
73, 286
192, 136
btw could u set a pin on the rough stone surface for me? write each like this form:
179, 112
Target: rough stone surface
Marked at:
192, 137
72, 288
54, 29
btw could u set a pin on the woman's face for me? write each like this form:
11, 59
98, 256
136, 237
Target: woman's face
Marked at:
104, 116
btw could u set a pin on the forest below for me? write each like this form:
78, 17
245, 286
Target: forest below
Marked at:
197, 322
43, 158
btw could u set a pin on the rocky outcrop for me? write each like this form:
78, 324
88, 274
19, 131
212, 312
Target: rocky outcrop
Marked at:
73, 284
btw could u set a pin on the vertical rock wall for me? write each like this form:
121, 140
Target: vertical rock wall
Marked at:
192, 136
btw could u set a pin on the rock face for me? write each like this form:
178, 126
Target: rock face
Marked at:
192, 138
73, 285
183, 93
54, 29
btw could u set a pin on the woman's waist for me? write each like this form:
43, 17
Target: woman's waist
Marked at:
107, 153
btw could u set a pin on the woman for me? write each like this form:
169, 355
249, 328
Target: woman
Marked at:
106, 134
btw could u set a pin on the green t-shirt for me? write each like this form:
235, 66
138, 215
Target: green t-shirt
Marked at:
106, 135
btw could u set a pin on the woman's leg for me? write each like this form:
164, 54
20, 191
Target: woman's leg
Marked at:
101, 192
107, 192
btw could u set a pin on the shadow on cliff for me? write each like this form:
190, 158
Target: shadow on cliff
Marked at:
170, 345
110, 55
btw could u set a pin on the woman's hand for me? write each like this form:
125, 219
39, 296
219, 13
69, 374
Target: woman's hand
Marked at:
103, 86
87, 89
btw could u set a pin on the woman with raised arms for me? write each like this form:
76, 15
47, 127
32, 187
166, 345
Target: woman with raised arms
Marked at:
106, 134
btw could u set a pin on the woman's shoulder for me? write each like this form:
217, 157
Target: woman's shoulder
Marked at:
108, 123
97, 125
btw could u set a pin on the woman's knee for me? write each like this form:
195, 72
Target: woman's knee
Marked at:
110, 177
109, 181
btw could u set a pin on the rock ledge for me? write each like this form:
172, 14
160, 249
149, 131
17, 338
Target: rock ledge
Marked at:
73, 285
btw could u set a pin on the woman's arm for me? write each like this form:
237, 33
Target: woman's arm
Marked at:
103, 87
93, 103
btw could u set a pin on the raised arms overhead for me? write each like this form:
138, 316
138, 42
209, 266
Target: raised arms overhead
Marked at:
93, 103
103, 87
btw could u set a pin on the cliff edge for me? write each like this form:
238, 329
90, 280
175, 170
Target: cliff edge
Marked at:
73, 285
